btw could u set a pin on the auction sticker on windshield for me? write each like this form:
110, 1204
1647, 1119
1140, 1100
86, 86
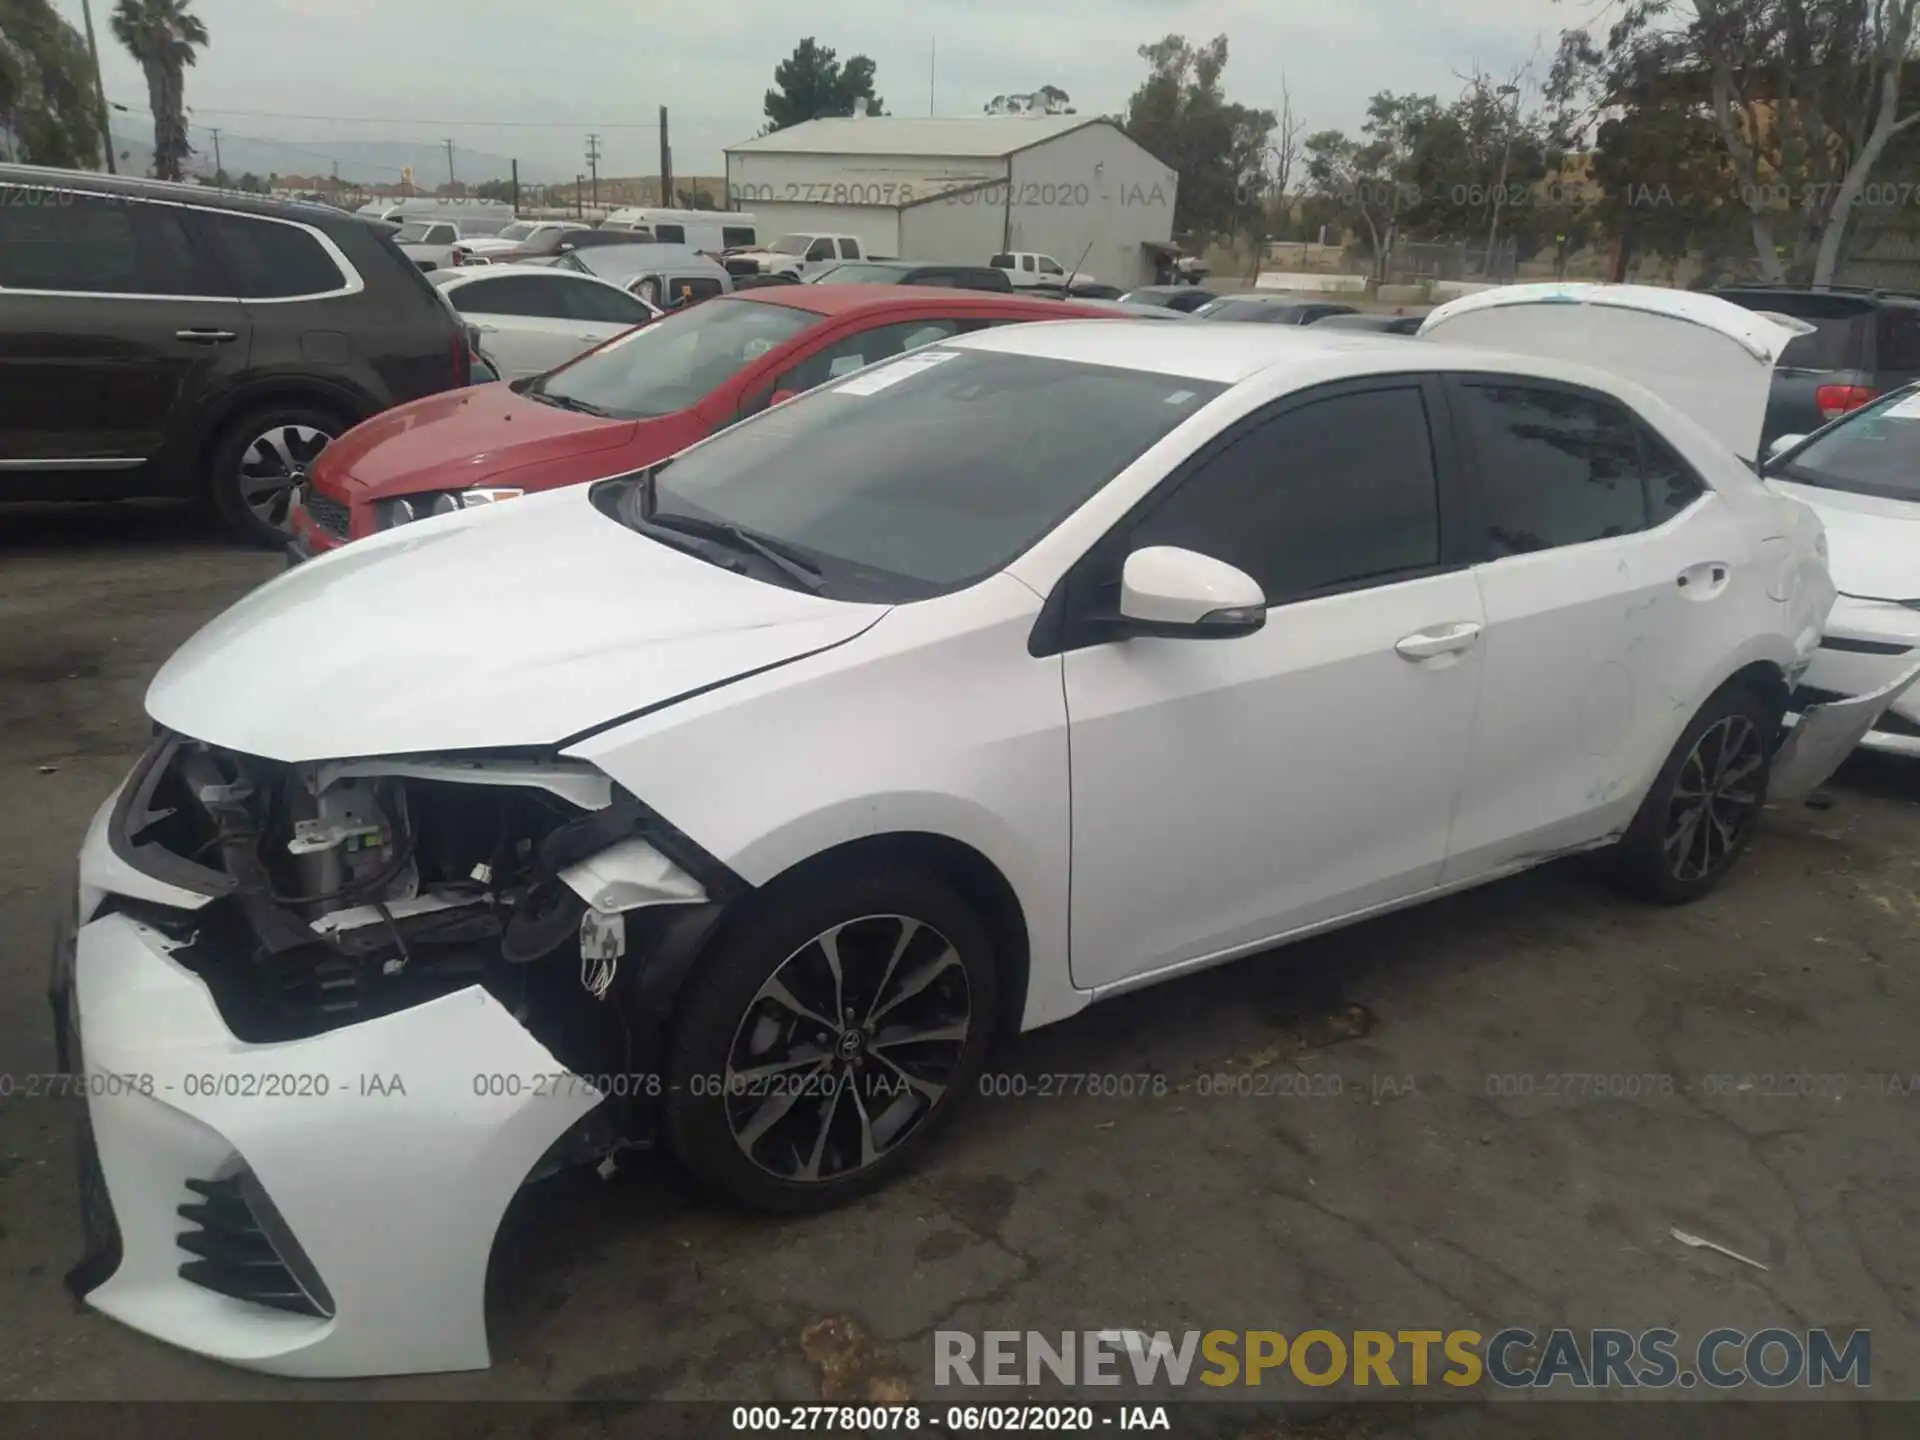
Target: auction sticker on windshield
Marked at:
893, 372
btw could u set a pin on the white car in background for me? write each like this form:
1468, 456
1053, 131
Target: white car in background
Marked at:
516, 235
734, 802
1861, 475
429, 240
529, 319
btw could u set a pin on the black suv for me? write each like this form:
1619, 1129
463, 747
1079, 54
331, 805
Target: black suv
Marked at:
176, 340
1864, 343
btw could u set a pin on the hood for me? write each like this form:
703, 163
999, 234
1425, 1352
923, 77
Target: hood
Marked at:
1873, 544
459, 438
1703, 355
510, 625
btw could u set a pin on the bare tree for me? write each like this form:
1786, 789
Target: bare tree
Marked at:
1283, 154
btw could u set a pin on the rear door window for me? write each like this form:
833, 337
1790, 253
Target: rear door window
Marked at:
669, 234
736, 236
602, 304
1556, 467
849, 249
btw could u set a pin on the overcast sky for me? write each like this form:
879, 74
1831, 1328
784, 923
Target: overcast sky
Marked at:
309, 71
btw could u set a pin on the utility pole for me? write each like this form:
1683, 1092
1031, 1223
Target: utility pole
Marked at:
217, 166
593, 166
579, 196
516, 187
99, 87
666, 161
449, 145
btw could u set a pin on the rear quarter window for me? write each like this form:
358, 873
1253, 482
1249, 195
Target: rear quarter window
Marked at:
271, 260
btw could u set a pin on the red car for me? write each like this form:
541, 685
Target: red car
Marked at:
630, 403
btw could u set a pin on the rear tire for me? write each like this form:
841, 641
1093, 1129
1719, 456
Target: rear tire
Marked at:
258, 458
796, 1082
1705, 804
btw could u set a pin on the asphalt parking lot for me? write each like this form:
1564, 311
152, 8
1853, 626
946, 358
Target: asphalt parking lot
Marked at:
1432, 1156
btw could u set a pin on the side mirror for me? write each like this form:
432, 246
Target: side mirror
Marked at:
1782, 445
1179, 593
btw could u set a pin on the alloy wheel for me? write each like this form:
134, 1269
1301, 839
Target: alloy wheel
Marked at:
847, 1048
1716, 798
273, 463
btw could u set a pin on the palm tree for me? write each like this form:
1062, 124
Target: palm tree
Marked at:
163, 36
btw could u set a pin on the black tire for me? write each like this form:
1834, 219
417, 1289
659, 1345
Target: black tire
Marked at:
242, 443
1658, 859
711, 1101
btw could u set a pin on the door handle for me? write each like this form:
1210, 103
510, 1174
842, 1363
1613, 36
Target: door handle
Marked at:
205, 337
1426, 644
1710, 576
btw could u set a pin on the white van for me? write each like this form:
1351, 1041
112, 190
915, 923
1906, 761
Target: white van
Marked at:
420, 207
709, 230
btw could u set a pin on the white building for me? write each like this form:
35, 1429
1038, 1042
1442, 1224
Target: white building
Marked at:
964, 190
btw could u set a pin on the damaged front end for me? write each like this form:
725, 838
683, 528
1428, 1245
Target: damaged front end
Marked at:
379, 993
345, 890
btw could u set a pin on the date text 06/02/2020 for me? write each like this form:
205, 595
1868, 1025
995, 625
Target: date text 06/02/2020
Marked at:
952, 1419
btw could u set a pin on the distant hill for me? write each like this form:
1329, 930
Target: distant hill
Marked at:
360, 162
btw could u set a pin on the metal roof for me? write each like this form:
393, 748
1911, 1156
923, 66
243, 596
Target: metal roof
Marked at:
972, 136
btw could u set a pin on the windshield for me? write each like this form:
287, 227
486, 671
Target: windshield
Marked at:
1874, 451
519, 230
676, 362
791, 245
927, 472
852, 273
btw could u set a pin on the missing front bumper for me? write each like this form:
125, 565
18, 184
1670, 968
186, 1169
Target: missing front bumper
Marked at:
390, 1148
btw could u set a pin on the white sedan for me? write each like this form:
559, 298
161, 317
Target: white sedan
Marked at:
531, 319
1861, 475
739, 803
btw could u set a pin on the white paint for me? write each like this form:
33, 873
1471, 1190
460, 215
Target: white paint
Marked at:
438, 1163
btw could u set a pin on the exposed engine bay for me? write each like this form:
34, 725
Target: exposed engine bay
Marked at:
345, 890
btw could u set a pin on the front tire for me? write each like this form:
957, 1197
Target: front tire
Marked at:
827, 1038
258, 460
1705, 805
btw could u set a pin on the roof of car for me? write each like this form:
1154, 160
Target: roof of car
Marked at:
243, 201
849, 299
463, 274
1229, 354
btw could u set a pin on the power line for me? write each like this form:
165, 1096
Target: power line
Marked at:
425, 120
